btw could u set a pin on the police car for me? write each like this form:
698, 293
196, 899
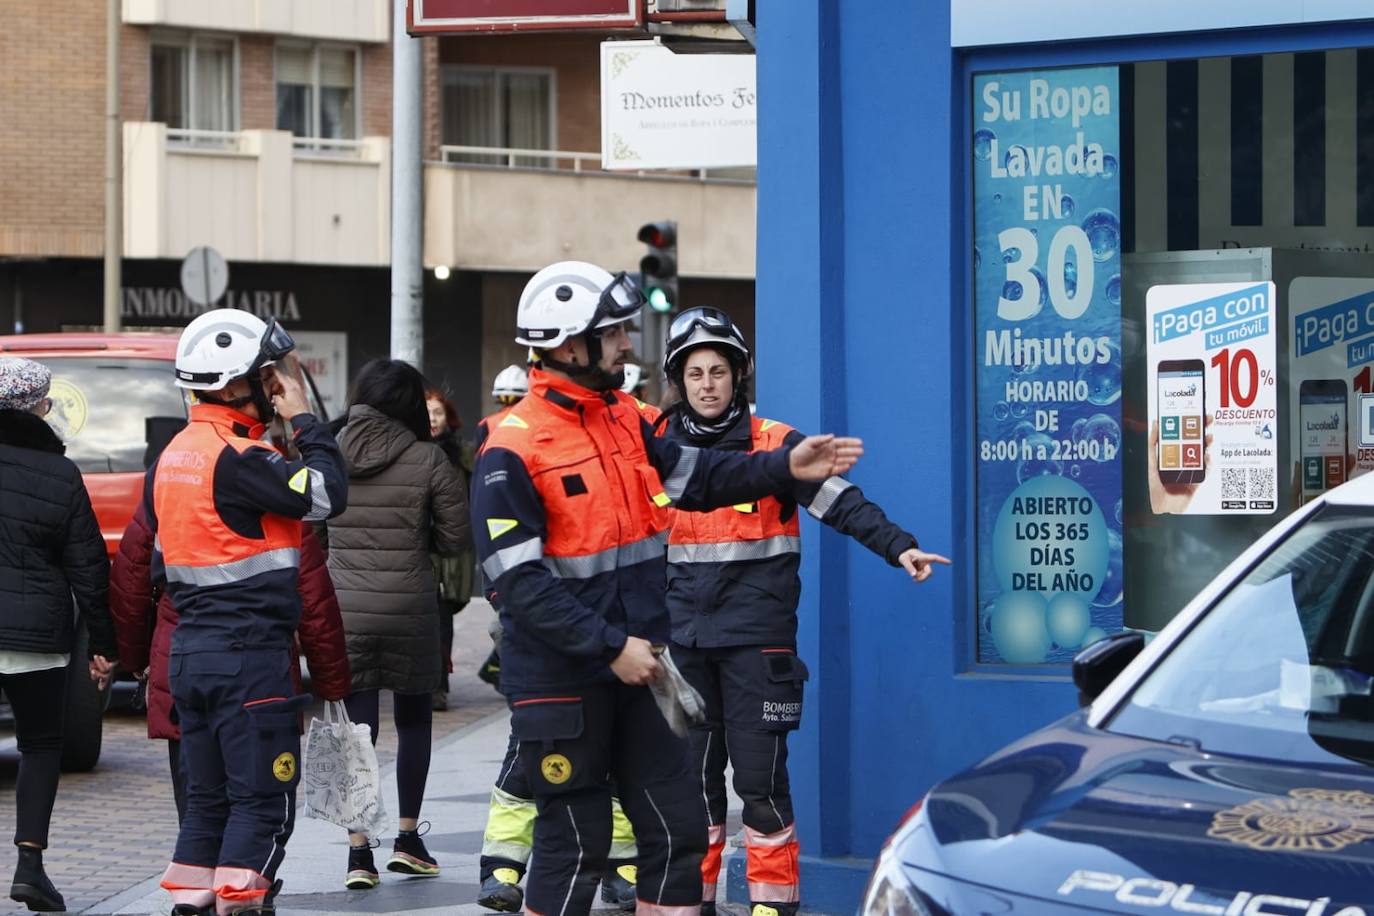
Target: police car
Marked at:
1225, 768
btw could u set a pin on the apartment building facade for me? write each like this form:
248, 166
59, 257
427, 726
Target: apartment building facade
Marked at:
262, 129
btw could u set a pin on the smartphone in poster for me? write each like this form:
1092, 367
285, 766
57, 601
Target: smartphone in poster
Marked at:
1212, 399
1331, 352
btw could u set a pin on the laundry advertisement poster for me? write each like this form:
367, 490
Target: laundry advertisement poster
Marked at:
1330, 360
1047, 351
1211, 371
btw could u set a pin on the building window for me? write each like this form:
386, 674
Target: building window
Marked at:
1173, 294
500, 108
193, 83
317, 91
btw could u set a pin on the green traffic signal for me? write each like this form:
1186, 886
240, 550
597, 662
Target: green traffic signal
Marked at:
658, 300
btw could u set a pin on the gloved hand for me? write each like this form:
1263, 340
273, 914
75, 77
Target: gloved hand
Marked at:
678, 700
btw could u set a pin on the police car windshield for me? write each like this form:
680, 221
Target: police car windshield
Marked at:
1283, 666
99, 406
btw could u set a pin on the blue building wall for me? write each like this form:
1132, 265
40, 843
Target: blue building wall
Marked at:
863, 330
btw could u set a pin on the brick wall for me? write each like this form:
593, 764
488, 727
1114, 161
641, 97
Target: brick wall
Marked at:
52, 129
576, 62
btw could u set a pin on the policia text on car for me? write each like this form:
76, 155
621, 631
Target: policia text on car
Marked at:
570, 503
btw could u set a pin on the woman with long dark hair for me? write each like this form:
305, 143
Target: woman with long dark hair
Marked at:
405, 501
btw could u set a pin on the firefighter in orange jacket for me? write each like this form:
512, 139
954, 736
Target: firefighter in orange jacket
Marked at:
226, 510
568, 504
732, 594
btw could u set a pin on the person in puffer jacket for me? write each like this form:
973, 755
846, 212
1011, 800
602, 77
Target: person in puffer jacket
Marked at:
144, 619
405, 503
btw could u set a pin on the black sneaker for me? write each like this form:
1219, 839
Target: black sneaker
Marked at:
501, 891
190, 909
362, 871
410, 857
31, 886
618, 885
708, 908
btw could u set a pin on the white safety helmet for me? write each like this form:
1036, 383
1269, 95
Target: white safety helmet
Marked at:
224, 344
633, 376
511, 382
571, 298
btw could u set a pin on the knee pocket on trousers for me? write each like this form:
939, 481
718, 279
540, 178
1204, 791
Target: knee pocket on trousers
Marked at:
784, 678
275, 726
547, 729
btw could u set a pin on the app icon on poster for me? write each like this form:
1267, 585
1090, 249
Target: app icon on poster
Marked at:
1312, 473
1168, 427
1192, 455
1171, 457
1192, 427
1335, 470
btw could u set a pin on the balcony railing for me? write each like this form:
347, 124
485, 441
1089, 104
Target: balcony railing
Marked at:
514, 158
185, 139
331, 147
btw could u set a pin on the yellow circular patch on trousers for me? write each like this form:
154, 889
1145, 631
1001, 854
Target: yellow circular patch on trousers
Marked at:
284, 767
556, 768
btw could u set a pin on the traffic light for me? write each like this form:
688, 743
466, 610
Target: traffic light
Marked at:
658, 267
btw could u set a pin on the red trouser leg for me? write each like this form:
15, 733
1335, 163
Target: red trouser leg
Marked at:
773, 870
710, 865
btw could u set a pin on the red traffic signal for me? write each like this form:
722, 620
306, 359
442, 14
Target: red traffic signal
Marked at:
659, 235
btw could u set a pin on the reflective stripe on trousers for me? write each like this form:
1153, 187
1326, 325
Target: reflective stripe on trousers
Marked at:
772, 866
710, 864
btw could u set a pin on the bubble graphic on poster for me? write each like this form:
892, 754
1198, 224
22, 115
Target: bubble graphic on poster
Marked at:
1104, 233
1050, 537
982, 143
1067, 619
1018, 628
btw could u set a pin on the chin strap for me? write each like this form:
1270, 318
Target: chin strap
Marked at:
257, 396
589, 376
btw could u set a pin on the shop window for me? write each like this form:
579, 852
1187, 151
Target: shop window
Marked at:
499, 108
317, 90
192, 83
1173, 287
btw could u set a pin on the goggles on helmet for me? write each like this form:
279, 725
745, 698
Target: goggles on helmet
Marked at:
713, 321
276, 343
608, 307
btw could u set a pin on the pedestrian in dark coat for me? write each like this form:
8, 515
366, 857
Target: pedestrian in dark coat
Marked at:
50, 551
144, 619
405, 502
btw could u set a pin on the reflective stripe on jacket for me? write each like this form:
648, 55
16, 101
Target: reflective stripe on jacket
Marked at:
226, 509
732, 573
569, 513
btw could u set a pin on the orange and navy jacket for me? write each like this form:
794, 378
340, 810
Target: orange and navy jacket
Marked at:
732, 573
569, 509
488, 423
226, 510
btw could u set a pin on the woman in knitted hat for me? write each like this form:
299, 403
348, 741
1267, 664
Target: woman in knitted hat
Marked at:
52, 551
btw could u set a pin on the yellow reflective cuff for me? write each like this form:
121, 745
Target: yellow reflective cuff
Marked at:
662, 500
512, 420
299, 480
743, 507
499, 526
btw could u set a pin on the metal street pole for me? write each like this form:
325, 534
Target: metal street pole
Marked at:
114, 169
407, 270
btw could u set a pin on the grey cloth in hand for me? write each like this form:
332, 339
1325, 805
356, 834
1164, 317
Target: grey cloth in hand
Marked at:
678, 700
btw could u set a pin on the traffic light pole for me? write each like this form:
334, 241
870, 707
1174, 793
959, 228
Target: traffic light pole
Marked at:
407, 270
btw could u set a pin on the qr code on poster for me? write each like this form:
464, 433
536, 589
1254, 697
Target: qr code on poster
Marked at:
1262, 483
1233, 483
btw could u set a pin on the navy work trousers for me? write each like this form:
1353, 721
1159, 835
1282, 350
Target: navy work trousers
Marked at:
240, 751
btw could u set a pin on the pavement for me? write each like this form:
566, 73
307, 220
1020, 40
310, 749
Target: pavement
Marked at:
114, 828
